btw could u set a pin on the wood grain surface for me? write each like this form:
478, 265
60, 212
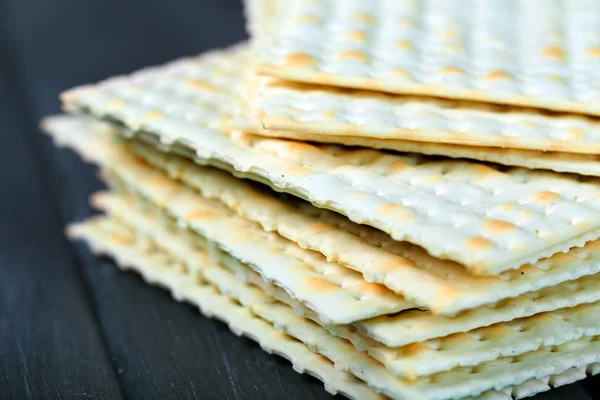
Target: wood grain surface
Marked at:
73, 326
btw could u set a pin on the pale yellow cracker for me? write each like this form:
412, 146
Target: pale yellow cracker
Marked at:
429, 282
450, 208
448, 385
535, 53
582, 164
332, 111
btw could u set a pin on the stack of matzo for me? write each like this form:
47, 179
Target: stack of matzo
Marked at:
384, 274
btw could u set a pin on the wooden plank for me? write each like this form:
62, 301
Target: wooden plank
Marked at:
50, 343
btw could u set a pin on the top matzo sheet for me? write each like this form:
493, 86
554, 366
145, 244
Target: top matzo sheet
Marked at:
537, 53
487, 218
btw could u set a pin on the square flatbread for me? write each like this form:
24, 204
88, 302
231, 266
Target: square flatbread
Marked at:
537, 53
323, 110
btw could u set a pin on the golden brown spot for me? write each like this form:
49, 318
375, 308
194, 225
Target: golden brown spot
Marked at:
353, 55
556, 78
432, 179
320, 227
300, 60
562, 258
123, 238
451, 70
358, 36
574, 133
159, 180
116, 103
375, 289
395, 264
498, 226
201, 84
199, 214
364, 17
506, 207
397, 210
479, 243
308, 18
298, 170
225, 123
404, 44
498, 331
300, 146
414, 349
498, 74
398, 166
243, 236
554, 53
546, 197
401, 73
320, 285
593, 245
450, 33
593, 52
447, 292
455, 47
482, 171
155, 114
328, 114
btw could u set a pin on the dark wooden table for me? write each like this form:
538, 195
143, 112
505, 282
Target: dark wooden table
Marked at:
72, 326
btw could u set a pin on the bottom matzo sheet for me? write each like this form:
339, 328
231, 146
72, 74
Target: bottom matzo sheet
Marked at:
112, 237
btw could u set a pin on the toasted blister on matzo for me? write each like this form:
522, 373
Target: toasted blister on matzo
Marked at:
417, 359
109, 236
325, 111
546, 56
442, 286
484, 217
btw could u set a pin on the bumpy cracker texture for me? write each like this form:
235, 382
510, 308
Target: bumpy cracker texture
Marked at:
427, 281
248, 119
330, 111
469, 349
547, 55
338, 294
158, 268
450, 208
447, 385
